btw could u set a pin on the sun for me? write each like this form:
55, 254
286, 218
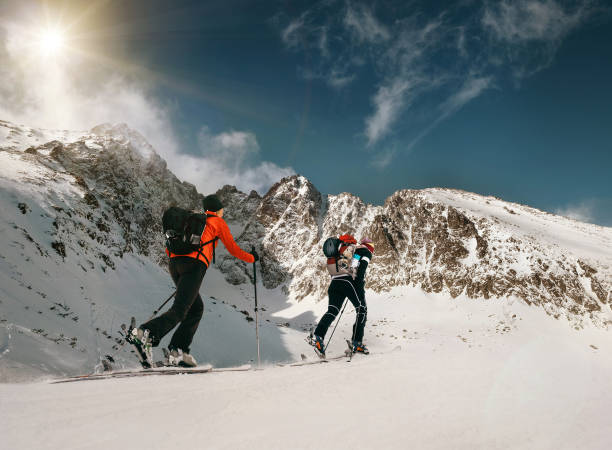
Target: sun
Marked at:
52, 41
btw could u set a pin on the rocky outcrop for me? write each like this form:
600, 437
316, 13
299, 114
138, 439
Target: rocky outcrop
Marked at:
283, 228
424, 238
238, 207
125, 188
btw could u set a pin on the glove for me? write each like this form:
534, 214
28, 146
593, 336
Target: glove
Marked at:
255, 255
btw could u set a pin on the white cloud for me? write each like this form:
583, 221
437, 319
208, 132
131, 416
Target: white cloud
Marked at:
410, 73
471, 89
526, 34
209, 174
461, 46
388, 103
337, 76
413, 44
72, 91
583, 212
324, 43
232, 147
362, 24
527, 20
430, 67
292, 33
339, 80
304, 34
230, 157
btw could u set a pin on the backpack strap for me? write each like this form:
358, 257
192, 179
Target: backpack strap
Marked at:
201, 246
212, 241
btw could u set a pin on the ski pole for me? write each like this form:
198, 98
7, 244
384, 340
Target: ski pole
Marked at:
256, 309
162, 305
335, 326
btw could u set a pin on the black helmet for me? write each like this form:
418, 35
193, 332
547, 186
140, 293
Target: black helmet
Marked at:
331, 247
212, 203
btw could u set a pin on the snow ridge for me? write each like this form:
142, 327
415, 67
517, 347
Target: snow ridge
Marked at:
440, 240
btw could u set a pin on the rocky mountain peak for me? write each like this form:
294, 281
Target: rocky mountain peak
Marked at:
238, 207
294, 198
124, 188
441, 240
125, 135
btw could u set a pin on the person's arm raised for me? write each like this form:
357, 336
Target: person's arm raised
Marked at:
228, 240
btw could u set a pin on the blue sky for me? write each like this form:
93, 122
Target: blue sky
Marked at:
511, 99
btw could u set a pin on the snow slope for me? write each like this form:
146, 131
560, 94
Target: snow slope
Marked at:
469, 375
20, 137
76, 259
568, 235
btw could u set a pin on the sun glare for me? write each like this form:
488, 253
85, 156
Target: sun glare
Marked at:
52, 41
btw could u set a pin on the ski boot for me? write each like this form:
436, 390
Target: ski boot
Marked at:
359, 347
176, 357
317, 343
142, 342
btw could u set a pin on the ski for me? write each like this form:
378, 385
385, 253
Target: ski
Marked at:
350, 352
243, 368
161, 370
311, 362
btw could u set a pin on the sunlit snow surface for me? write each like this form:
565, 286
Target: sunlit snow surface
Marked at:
469, 375
558, 233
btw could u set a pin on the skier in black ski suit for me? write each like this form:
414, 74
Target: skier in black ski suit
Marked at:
351, 284
187, 272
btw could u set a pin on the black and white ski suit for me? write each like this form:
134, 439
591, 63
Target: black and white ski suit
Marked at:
343, 286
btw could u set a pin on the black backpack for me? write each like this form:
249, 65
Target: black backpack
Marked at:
183, 230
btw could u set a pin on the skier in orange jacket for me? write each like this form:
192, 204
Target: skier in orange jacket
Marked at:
187, 272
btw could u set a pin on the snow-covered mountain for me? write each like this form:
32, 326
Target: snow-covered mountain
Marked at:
441, 240
82, 251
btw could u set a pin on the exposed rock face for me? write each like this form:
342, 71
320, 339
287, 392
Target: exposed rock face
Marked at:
238, 207
126, 187
283, 226
439, 239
